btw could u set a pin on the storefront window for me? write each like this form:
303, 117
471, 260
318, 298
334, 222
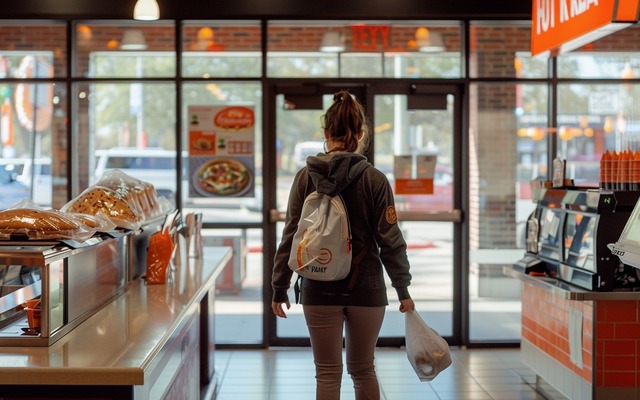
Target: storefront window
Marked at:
117, 120
371, 49
46, 42
222, 49
594, 118
612, 57
503, 51
505, 146
32, 113
124, 96
33, 131
125, 51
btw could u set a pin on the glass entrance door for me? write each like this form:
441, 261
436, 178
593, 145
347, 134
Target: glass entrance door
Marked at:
416, 144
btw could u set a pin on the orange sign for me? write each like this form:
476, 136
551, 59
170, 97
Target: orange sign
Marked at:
414, 186
234, 117
559, 26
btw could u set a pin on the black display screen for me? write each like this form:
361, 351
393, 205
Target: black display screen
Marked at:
550, 237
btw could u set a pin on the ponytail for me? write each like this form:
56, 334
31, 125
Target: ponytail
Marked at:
344, 120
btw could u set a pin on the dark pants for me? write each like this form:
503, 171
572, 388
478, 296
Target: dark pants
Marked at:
361, 327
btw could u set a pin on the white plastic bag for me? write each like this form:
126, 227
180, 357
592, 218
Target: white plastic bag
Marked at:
427, 351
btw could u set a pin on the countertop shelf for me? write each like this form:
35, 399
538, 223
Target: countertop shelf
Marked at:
568, 291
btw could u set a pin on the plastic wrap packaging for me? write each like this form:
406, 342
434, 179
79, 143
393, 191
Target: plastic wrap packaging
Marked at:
427, 351
100, 200
159, 253
28, 221
139, 192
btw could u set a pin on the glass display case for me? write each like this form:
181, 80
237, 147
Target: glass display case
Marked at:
48, 288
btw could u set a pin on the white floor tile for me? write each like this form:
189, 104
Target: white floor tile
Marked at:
284, 374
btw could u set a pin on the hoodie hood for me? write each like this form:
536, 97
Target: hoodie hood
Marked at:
330, 173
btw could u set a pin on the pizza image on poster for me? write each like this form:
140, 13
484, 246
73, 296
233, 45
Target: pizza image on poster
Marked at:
221, 176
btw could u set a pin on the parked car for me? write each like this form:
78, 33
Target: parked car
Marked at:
11, 190
21, 169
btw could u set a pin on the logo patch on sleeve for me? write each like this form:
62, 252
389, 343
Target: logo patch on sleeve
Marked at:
391, 215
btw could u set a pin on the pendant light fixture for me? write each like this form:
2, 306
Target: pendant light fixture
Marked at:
133, 39
429, 41
332, 42
146, 10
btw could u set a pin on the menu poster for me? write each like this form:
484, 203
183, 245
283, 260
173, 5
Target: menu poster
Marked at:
221, 151
414, 175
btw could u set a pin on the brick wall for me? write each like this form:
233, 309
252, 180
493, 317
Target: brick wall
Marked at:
618, 343
493, 49
494, 207
36, 37
545, 323
610, 339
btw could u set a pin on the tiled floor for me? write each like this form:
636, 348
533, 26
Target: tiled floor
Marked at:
288, 374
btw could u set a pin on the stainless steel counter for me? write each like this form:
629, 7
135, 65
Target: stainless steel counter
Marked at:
121, 343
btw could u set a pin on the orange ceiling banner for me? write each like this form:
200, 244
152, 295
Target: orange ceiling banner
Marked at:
559, 26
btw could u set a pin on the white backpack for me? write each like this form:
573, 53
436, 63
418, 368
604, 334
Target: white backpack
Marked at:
321, 248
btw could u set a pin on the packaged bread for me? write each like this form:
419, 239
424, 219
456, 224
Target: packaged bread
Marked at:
135, 190
98, 222
96, 200
37, 224
26, 220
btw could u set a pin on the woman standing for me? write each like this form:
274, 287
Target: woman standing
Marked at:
356, 306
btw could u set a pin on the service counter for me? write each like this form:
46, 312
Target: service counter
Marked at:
583, 344
151, 342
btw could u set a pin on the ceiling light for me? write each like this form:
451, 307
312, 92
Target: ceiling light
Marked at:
428, 41
205, 38
146, 10
332, 42
133, 39
433, 44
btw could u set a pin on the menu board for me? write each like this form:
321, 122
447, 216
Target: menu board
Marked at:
221, 151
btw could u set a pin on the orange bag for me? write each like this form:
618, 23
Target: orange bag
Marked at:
159, 254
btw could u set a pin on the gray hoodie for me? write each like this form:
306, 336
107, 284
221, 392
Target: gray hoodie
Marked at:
370, 204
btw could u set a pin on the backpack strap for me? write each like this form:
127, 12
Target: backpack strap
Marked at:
356, 261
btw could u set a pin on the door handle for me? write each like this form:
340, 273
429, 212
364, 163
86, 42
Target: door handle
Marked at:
431, 216
276, 216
